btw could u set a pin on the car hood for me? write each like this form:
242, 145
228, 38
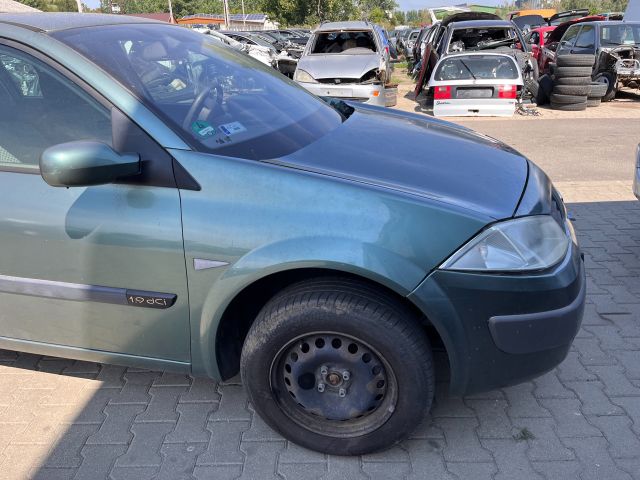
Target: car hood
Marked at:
338, 65
428, 158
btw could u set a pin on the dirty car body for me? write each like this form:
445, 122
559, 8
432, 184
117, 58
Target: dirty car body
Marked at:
475, 84
347, 60
616, 46
166, 198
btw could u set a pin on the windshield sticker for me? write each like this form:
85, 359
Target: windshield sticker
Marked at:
232, 128
202, 128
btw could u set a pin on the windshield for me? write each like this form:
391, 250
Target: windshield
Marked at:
620, 35
351, 42
476, 67
221, 100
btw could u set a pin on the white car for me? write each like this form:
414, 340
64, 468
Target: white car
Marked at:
476, 84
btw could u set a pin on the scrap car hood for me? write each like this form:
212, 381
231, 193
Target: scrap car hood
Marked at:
339, 66
428, 158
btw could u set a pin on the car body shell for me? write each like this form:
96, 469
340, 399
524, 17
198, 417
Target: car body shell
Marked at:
342, 75
536, 39
325, 208
474, 105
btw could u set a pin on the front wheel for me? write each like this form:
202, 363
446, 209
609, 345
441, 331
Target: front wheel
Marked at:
339, 367
609, 79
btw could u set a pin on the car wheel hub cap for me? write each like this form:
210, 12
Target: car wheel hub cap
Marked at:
332, 377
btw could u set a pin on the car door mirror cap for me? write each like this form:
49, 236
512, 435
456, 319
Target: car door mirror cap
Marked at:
86, 163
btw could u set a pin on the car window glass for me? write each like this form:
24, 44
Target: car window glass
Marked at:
351, 42
41, 108
476, 67
620, 34
570, 35
218, 99
587, 37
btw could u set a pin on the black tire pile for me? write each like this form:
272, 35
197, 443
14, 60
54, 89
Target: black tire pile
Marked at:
573, 89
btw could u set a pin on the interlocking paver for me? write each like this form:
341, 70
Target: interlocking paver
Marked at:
623, 443
463, 444
224, 443
511, 459
162, 407
594, 401
116, 427
261, 459
144, 449
179, 460
191, 425
595, 460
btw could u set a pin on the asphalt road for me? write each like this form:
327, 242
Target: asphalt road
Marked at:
576, 150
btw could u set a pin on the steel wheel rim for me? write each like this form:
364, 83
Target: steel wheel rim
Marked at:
333, 384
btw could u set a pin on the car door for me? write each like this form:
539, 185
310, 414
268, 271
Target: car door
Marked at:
95, 269
585, 41
568, 40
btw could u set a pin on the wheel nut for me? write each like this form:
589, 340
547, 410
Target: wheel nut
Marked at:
323, 370
321, 387
346, 375
342, 392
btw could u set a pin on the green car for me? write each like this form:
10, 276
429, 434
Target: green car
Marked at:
169, 203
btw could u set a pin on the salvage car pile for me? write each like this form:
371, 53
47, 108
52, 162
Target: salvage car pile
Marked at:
569, 61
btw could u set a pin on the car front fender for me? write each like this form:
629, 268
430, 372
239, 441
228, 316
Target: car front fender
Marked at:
320, 253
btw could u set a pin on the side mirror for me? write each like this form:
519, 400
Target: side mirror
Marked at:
85, 163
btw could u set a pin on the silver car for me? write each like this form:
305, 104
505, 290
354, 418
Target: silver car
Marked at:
475, 84
348, 60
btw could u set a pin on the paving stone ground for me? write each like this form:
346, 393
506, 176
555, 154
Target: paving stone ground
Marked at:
64, 419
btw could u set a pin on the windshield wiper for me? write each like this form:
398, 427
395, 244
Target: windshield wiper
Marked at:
468, 69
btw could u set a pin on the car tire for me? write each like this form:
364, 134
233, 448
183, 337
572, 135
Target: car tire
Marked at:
532, 87
594, 102
597, 90
545, 88
567, 99
573, 72
575, 60
572, 80
313, 332
579, 90
608, 79
569, 107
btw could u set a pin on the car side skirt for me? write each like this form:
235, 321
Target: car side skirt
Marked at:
97, 356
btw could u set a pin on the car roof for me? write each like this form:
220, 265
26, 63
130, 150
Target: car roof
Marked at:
49, 22
482, 24
352, 25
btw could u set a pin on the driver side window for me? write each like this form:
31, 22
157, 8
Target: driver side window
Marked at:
570, 35
42, 108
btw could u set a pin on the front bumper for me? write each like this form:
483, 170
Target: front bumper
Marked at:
503, 329
372, 94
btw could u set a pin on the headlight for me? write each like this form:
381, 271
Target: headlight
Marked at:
302, 76
527, 243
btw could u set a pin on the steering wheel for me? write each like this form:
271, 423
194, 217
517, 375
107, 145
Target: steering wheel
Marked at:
199, 103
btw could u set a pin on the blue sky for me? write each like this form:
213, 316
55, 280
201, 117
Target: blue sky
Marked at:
404, 4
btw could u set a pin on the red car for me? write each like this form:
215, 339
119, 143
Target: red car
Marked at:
536, 39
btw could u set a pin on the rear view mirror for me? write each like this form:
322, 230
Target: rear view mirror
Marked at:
85, 163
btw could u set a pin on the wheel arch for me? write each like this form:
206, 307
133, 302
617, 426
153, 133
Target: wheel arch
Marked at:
241, 311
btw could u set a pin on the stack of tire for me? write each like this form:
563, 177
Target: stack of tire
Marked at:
572, 82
